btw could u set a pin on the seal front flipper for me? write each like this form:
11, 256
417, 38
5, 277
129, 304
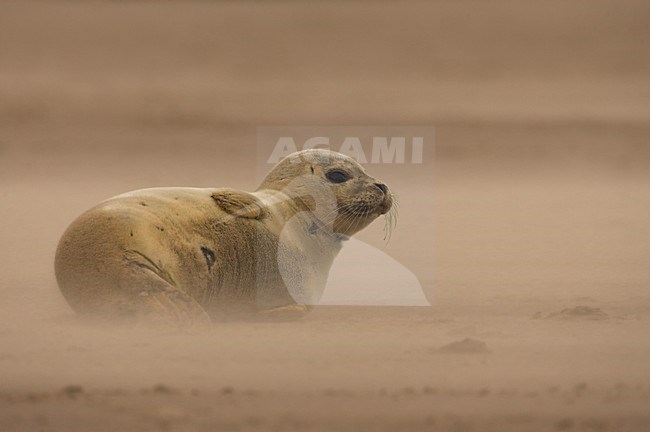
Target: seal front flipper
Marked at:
239, 204
284, 313
155, 298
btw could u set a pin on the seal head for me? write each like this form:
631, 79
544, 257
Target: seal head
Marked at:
342, 196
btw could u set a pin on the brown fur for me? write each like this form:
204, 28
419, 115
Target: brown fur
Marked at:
191, 255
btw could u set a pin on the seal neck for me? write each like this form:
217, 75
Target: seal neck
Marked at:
302, 207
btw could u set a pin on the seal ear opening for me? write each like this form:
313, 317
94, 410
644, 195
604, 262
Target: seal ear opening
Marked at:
238, 203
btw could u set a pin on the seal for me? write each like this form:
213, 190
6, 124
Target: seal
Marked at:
200, 255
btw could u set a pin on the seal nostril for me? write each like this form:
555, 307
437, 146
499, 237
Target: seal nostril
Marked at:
383, 187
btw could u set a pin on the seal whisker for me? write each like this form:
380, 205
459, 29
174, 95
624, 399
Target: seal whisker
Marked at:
326, 218
356, 222
349, 220
357, 218
346, 221
348, 209
390, 218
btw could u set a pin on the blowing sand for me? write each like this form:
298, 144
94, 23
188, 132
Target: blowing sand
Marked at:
527, 226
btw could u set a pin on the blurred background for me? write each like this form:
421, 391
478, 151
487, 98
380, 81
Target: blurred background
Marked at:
542, 117
534, 198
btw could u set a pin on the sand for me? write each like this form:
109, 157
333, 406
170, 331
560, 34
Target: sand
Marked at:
527, 225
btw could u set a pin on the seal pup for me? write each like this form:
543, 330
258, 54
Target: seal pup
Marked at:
192, 255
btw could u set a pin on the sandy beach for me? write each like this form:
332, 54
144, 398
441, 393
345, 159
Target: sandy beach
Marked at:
526, 224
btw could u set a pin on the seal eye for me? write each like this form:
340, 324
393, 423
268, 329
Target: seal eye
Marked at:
337, 176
